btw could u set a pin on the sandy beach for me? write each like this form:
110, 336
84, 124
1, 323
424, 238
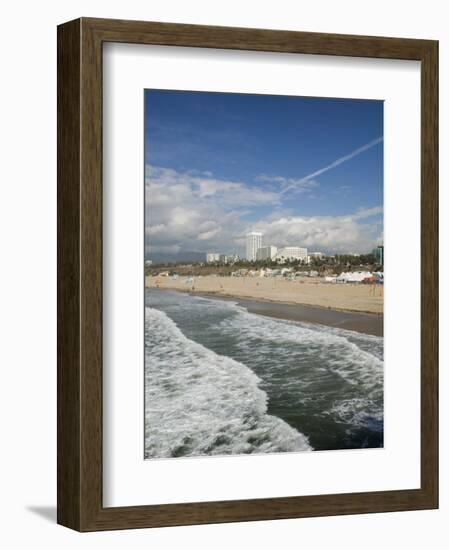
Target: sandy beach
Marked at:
307, 292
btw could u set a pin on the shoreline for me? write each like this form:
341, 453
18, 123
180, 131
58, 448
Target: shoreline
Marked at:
358, 321
227, 296
311, 292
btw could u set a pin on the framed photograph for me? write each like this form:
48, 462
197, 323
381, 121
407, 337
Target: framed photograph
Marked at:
247, 274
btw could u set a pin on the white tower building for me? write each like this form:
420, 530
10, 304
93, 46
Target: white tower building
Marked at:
253, 243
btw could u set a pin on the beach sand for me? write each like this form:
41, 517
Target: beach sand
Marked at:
348, 306
311, 292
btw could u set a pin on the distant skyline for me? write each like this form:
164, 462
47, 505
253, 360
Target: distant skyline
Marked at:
304, 171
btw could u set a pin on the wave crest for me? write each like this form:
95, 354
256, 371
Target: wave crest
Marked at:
200, 403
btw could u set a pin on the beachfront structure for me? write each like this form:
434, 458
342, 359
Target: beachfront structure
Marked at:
253, 243
315, 256
212, 257
291, 253
379, 254
239, 273
353, 277
228, 259
266, 253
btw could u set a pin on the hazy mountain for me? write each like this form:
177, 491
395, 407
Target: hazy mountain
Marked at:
183, 256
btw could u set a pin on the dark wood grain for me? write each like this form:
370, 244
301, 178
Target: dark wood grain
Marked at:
69, 406
429, 271
80, 274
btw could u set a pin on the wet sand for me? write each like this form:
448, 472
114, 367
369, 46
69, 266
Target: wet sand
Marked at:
367, 323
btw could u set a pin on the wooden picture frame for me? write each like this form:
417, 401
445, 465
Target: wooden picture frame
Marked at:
80, 504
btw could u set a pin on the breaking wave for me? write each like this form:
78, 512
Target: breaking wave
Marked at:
301, 360
198, 402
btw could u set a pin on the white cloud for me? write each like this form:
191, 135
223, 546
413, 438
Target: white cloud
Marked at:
363, 213
196, 212
331, 234
230, 193
208, 235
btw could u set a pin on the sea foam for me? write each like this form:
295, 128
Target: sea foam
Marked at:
297, 359
198, 402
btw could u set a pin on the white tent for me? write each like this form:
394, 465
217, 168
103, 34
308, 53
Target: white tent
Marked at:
354, 277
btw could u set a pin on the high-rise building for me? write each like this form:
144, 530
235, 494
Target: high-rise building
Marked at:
378, 252
253, 243
266, 253
291, 253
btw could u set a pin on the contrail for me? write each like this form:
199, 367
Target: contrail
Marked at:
337, 162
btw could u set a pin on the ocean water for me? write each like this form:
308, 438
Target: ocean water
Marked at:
220, 380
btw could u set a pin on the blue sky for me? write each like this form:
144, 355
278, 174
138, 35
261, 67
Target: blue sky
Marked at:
305, 171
